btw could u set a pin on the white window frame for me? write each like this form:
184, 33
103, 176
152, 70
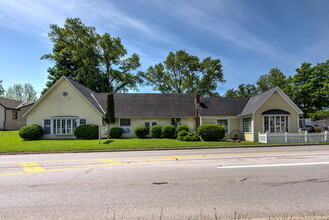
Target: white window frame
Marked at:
51, 124
228, 124
66, 118
130, 127
283, 115
150, 121
178, 124
251, 125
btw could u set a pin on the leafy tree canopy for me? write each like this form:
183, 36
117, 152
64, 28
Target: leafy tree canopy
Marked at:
268, 81
184, 73
242, 91
309, 87
2, 91
99, 62
20, 92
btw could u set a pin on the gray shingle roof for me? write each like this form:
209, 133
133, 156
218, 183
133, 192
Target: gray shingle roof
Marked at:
171, 105
255, 101
218, 106
13, 104
150, 104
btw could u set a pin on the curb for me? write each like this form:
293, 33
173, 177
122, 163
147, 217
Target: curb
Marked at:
164, 149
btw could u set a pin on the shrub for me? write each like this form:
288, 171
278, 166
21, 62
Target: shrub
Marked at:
168, 131
191, 137
116, 132
181, 135
86, 132
211, 132
181, 128
156, 131
141, 131
187, 136
31, 132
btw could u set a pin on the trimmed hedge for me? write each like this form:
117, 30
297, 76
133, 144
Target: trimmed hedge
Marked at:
184, 135
181, 128
168, 131
156, 131
86, 132
211, 132
31, 132
141, 131
116, 132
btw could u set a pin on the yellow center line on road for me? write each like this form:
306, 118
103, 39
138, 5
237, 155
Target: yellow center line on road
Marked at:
109, 161
31, 167
178, 156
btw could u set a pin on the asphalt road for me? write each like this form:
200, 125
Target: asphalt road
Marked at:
195, 184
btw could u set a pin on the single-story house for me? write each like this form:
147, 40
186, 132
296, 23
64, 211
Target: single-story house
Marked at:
11, 112
68, 104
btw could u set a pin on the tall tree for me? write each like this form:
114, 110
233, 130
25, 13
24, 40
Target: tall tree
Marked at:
242, 91
274, 78
309, 87
2, 91
184, 73
109, 116
20, 92
99, 62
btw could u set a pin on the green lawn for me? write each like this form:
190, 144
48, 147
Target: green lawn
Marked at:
11, 142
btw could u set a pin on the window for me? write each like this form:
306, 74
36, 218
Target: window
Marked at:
276, 124
149, 124
47, 126
83, 121
246, 125
63, 125
223, 123
14, 115
125, 125
176, 121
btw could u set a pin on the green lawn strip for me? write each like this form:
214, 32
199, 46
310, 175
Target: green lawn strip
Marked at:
11, 142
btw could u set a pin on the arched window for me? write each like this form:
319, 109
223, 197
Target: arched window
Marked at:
276, 121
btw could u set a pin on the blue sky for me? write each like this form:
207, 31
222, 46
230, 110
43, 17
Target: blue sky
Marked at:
249, 36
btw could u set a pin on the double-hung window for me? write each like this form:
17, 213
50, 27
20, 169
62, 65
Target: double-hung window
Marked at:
224, 124
125, 125
276, 123
246, 124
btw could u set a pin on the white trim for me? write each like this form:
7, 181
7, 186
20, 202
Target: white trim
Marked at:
284, 96
97, 103
130, 127
51, 89
251, 127
285, 115
228, 124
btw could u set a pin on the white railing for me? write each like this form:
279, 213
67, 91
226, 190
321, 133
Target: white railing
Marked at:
292, 137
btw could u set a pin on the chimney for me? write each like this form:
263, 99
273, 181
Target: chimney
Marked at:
197, 99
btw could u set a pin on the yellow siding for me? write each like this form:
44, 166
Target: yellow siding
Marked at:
190, 122
275, 101
55, 104
234, 122
247, 136
15, 124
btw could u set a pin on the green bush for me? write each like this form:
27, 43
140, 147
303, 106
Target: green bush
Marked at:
191, 137
116, 132
181, 128
156, 131
31, 132
184, 135
211, 132
141, 131
86, 132
168, 131
181, 135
